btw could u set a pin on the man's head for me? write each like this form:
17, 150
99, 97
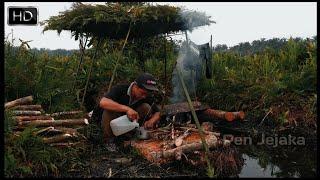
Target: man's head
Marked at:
145, 84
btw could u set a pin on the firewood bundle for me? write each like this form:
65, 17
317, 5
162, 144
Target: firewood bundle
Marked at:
56, 129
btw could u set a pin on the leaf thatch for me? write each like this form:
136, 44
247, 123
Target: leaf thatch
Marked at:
112, 20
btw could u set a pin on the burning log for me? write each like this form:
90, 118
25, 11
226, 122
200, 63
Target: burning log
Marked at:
28, 107
24, 100
229, 116
26, 113
67, 114
58, 138
32, 118
65, 122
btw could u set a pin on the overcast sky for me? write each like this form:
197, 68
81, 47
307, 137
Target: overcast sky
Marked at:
236, 22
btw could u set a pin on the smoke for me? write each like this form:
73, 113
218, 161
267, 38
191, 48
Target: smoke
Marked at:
190, 66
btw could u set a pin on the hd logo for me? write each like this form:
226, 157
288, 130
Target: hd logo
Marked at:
18, 15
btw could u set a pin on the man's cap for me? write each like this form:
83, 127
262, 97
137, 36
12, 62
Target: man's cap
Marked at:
147, 81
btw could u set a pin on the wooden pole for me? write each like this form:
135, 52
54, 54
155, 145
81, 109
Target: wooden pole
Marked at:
204, 144
24, 100
115, 68
90, 71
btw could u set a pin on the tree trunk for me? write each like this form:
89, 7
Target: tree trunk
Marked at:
32, 118
24, 100
26, 113
28, 107
65, 122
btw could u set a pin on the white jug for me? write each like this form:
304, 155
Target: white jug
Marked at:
122, 125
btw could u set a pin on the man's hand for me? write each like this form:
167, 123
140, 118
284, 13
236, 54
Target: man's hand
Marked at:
132, 114
149, 124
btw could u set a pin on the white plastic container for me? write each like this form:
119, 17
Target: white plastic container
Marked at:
122, 125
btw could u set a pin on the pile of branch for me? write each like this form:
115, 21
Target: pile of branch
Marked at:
56, 129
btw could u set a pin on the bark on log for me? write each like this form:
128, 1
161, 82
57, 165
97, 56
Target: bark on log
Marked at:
24, 100
65, 122
26, 113
58, 138
239, 115
66, 113
32, 118
212, 141
229, 116
28, 107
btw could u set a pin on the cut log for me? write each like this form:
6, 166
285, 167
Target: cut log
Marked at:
58, 138
21, 101
26, 113
239, 115
212, 141
229, 116
67, 114
28, 107
65, 122
32, 118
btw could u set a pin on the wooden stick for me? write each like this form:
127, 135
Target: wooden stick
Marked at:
24, 100
32, 118
65, 122
229, 116
43, 130
58, 138
26, 113
28, 107
64, 144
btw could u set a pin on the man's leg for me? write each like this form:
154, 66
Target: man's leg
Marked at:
107, 116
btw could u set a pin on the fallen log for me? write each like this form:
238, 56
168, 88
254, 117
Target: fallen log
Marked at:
229, 116
66, 114
26, 113
64, 122
239, 115
212, 141
21, 101
32, 118
58, 138
28, 107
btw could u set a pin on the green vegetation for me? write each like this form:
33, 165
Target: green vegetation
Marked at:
279, 80
282, 80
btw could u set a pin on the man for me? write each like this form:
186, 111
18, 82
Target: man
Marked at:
135, 100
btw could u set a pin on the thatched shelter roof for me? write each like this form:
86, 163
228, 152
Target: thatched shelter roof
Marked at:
112, 20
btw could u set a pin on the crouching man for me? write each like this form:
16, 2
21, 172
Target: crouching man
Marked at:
135, 100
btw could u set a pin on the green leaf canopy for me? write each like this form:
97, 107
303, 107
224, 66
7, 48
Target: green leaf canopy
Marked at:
112, 20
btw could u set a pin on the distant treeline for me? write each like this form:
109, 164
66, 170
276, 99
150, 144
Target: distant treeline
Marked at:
258, 46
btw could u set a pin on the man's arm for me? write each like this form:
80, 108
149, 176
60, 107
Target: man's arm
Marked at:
109, 104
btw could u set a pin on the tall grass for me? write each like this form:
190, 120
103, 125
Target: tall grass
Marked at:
255, 83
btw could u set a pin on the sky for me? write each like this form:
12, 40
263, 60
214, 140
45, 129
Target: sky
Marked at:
236, 22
